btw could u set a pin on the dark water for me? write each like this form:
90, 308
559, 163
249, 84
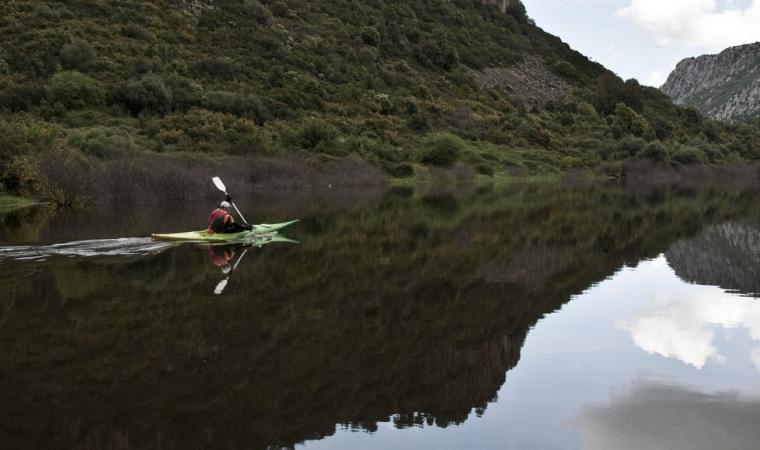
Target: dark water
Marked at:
519, 318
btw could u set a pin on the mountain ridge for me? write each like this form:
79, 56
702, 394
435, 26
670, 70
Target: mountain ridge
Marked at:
724, 86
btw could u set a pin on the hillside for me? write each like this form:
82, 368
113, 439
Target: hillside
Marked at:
725, 86
113, 90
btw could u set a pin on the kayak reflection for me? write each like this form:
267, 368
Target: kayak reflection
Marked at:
226, 258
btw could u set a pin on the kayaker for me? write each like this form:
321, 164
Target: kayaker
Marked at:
221, 221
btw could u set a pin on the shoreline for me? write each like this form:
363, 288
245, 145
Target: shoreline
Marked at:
637, 174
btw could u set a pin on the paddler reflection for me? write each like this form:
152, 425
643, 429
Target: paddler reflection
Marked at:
224, 257
228, 257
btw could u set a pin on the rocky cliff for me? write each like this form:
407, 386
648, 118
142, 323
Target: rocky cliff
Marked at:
725, 86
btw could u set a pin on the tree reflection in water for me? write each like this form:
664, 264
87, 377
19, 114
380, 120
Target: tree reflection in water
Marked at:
411, 306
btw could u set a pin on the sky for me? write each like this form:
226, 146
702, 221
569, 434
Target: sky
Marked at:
645, 39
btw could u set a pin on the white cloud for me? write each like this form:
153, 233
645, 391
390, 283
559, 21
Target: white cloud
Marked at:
696, 23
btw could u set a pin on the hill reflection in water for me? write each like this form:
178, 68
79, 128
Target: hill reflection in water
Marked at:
405, 307
725, 255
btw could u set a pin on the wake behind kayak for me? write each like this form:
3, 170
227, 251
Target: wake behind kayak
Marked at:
89, 248
204, 236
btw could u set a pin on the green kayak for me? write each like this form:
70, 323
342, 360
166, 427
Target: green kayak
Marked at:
203, 236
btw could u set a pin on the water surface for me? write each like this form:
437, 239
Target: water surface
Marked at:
523, 317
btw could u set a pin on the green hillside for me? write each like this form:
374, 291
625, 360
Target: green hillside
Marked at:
400, 85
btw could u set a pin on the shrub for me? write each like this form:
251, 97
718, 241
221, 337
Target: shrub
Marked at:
627, 121
369, 35
316, 134
148, 93
367, 56
241, 105
74, 89
535, 133
373, 149
628, 147
21, 97
517, 10
77, 55
220, 68
302, 91
104, 142
663, 129
418, 122
5, 69
66, 177
712, 153
437, 52
135, 31
565, 69
379, 103
20, 177
28, 135
402, 170
262, 15
687, 156
692, 116
612, 169
186, 93
484, 169
279, 9
654, 151
610, 92
143, 66
442, 149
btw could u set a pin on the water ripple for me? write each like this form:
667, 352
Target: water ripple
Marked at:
88, 248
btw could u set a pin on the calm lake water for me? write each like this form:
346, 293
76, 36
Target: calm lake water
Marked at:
526, 317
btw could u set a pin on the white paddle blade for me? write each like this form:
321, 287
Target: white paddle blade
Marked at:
219, 289
218, 183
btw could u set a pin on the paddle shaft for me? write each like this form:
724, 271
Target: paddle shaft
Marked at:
220, 185
240, 259
238, 211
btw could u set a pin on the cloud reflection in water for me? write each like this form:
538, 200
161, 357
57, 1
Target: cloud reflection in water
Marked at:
682, 325
651, 415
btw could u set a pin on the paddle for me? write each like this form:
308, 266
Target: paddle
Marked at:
219, 185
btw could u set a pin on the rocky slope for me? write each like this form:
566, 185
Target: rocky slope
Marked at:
725, 86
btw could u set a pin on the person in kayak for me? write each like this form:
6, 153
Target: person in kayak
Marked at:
221, 221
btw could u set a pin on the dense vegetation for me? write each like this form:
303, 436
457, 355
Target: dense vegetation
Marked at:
90, 83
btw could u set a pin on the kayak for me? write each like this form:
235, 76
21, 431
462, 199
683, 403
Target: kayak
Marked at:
204, 236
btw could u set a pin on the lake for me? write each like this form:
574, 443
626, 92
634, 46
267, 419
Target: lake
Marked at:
522, 317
